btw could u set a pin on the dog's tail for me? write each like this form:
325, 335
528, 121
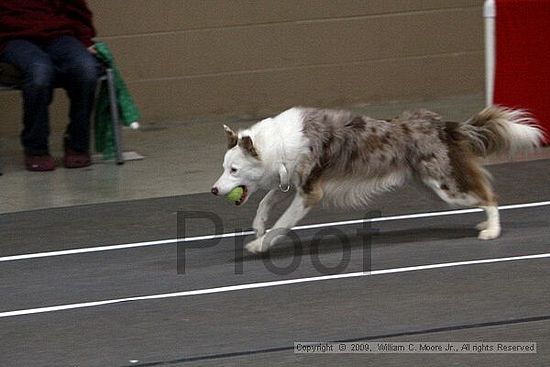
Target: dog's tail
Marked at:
497, 130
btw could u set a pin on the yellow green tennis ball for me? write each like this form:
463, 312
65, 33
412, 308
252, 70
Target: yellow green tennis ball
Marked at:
235, 194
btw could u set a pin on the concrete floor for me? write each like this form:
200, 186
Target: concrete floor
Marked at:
54, 312
181, 157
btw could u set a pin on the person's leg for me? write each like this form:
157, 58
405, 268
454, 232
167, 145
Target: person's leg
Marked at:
37, 90
77, 70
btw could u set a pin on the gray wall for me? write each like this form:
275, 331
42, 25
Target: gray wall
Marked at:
185, 58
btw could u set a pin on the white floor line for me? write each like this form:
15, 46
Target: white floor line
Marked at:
240, 287
247, 233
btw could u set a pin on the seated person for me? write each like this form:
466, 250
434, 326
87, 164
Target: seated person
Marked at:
50, 42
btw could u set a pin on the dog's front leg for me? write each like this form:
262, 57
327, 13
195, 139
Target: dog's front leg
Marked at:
263, 210
296, 211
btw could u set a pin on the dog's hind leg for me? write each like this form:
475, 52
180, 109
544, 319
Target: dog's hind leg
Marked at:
300, 206
467, 185
262, 213
490, 229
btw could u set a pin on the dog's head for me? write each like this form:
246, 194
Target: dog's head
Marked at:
242, 166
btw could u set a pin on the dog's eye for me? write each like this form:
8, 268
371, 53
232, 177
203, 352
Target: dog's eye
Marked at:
233, 170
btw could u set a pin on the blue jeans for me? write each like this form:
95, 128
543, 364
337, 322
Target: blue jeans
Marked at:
64, 62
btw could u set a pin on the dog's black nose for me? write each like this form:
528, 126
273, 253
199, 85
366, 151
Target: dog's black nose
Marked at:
214, 191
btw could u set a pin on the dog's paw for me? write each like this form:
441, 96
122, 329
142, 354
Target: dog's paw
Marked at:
489, 234
256, 246
482, 226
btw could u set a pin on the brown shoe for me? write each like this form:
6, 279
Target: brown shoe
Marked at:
39, 163
76, 159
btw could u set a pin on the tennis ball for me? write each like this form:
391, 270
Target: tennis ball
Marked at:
235, 194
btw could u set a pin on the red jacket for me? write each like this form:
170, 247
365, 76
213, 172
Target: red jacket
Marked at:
44, 20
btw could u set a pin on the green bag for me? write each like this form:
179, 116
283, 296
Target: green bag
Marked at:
128, 111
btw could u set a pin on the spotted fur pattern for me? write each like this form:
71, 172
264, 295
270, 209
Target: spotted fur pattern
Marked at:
343, 159
354, 157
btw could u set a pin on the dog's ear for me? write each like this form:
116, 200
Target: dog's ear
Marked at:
232, 137
248, 146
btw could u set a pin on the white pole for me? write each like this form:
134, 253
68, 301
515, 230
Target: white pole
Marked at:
489, 13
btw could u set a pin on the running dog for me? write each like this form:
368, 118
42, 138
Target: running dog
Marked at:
343, 159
